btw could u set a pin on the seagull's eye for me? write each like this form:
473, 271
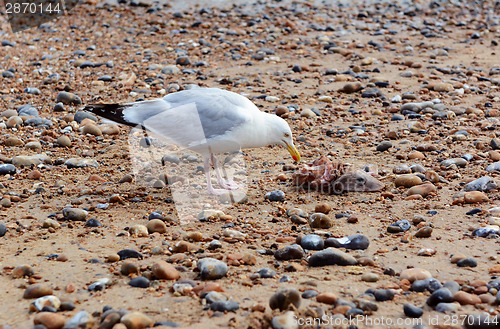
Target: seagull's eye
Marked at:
287, 135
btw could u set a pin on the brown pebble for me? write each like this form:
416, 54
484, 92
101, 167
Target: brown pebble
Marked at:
282, 111
456, 257
22, 271
136, 320
475, 197
49, 320
352, 87
62, 258
424, 232
129, 268
63, 141
96, 178
327, 298
423, 190
324, 208
407, 180
414, 274
126, 179
34, 174
165, 271
91, 129
113, 258
465, 298
156, 226
37, 291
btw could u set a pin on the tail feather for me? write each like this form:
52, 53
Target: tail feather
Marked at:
113, 112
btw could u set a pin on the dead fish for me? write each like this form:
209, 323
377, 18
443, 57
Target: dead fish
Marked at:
334, 178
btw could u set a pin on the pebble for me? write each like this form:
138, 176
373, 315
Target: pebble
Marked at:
414, 274
412, 311
212, 269
407, 180
91, 129
266, 273
136, 320
81, 163
355, 242
384, 146
68, 98
129, 253
312, 242
139, 282
465, 298
484, 184
276, 196
399, 226
74, 214
7, 169
82, 115
442, 295
370, 277
22, 271
13, 141
165, 271
287, 320
81, 320
424, 190
447, 307
138, 230
46, 301
156, 226
285, 297
467, 262
49, 320
324, 208
327, 298
321, 221
63, 141
352, 87
493, 167
475, 197
290, 252
331, 256
383, 295
424, 232
37, 290
14, 122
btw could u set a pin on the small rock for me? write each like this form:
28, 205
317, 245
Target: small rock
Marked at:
136, 320
324, 208
165, 271
475, 197
442, 295
212, 269
331, 256
424, 232
370, 277
68, 98
284, 297
7, 169
383, 295
275, 196
49, 320
290, 252
355, 242
412, 311
312, 242
139, 282
384, 146
37, 290
407, 180
327, 298
424, 190
465, 298
74, 214
467, 262
414, 274
156, 226
321, 221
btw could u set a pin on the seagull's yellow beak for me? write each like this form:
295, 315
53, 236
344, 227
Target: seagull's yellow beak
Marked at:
293, 151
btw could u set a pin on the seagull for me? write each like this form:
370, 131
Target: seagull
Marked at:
207, 121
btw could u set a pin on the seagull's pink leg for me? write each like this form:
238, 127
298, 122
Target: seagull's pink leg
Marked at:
210, 188
227, 184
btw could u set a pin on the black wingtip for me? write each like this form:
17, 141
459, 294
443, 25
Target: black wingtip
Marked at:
113, 112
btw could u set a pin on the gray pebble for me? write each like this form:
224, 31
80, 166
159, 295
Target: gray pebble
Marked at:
81, 163
74, 214
3, 229
212, 269
277, 195
223, 306
68, 98
290, 252
331, 256
467, 262
139, 282
355, 242
312, 242
7, 169
81, 115
442, 295
384, 146
493, 167
484, 184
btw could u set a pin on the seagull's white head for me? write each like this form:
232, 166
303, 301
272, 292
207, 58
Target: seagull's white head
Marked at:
282, 135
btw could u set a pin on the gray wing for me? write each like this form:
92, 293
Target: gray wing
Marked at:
219, 110
192, 117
